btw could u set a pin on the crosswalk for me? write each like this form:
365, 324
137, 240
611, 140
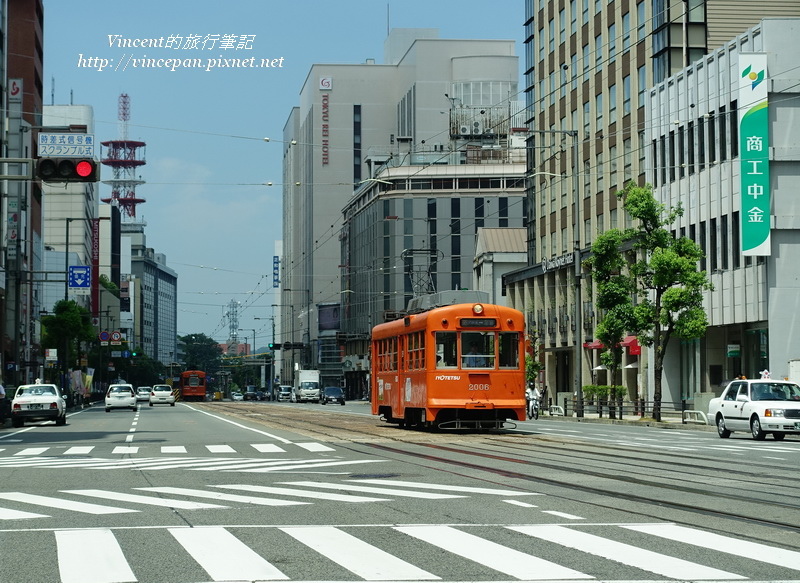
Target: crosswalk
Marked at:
85, 450
16, 505
411, 552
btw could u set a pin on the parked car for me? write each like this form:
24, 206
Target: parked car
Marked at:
250, 393
237, 397
161, 394
142, 393
120, 397
331, 395
284, 393
36, 403
760, 406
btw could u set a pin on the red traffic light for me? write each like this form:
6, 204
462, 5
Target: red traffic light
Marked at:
67, 170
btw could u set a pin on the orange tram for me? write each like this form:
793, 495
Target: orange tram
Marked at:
450, 367
192, 385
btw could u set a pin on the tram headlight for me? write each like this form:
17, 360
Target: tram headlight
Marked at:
477, 309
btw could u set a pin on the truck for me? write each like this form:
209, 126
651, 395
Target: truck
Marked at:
306, 386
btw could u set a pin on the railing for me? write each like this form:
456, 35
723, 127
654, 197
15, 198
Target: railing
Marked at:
680, 411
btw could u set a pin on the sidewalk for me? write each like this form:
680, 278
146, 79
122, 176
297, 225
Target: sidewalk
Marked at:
670, 420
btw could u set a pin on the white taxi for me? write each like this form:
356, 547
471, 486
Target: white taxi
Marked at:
760, 406
36, 403
162, 394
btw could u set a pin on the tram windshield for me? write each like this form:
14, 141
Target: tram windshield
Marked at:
471, 350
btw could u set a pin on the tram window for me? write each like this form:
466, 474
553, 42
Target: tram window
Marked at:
509, 350
477, 350
446, 353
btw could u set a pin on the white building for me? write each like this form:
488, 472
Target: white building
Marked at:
353, 118
697, 146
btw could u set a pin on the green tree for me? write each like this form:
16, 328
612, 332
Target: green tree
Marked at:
65, 330
650, 281
615, 291
201, 352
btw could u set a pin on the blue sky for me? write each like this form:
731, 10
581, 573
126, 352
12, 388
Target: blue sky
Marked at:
206, 157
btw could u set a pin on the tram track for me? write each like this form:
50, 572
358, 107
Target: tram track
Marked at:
511, 456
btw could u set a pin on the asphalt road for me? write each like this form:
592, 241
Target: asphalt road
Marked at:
303, 492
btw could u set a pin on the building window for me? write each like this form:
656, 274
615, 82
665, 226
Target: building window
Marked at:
612, 104
626, 31
598, 53
626, 95
723, 135
573, 15
641, 75
690, 149
641, 22
712, 244
735, 241
585, 12
724, 247
612, 43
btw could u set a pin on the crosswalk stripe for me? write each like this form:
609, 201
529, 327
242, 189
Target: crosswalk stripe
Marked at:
491, 554
222, 496
362, 559
223, 556
370, 489
53, 502
173, 449
107, 566
724, 544
32, 451
448, 487
133, 498
9, 514
220, 449
301, 493
305, 466
126, 449
268, 448
624, 553
311, 446
79, 450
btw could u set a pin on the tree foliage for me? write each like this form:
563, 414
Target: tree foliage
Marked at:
648, 283
201, 352
67, 327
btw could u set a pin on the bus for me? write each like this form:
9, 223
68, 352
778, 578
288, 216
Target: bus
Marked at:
192, 385
454, 366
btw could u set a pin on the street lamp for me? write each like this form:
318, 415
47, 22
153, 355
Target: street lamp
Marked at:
272, 356
291, 308
308, 318
576, 235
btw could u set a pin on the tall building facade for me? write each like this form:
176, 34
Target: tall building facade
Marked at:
704, 157
351, 120
152, 287
589, 66
21, 30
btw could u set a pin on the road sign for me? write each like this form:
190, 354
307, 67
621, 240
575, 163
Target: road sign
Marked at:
80, 279
66, 145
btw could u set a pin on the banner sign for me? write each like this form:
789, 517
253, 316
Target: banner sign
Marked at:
754, 154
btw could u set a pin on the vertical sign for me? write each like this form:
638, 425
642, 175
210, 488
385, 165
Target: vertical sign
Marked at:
276, 271
754, 154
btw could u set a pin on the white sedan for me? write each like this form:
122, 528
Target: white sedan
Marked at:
162, 394
120, 397
36, 403
760, 406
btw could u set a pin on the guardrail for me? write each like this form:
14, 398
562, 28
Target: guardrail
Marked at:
639, 408
692, 416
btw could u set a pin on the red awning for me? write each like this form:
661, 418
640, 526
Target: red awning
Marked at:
632, 344
593, 345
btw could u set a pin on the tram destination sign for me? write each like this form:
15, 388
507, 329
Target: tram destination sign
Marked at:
478, 322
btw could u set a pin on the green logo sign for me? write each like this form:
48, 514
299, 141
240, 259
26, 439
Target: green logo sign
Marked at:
754, 154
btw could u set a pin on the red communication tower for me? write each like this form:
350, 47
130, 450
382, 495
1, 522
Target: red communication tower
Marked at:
123, 156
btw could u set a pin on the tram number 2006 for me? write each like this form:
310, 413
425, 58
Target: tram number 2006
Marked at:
478, 387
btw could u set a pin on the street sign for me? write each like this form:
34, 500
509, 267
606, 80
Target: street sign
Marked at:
80, 279
66, 145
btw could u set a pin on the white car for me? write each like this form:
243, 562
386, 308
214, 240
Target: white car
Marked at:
36, 403
162, 394
237, 397
120, 397
142, 393
760, 406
